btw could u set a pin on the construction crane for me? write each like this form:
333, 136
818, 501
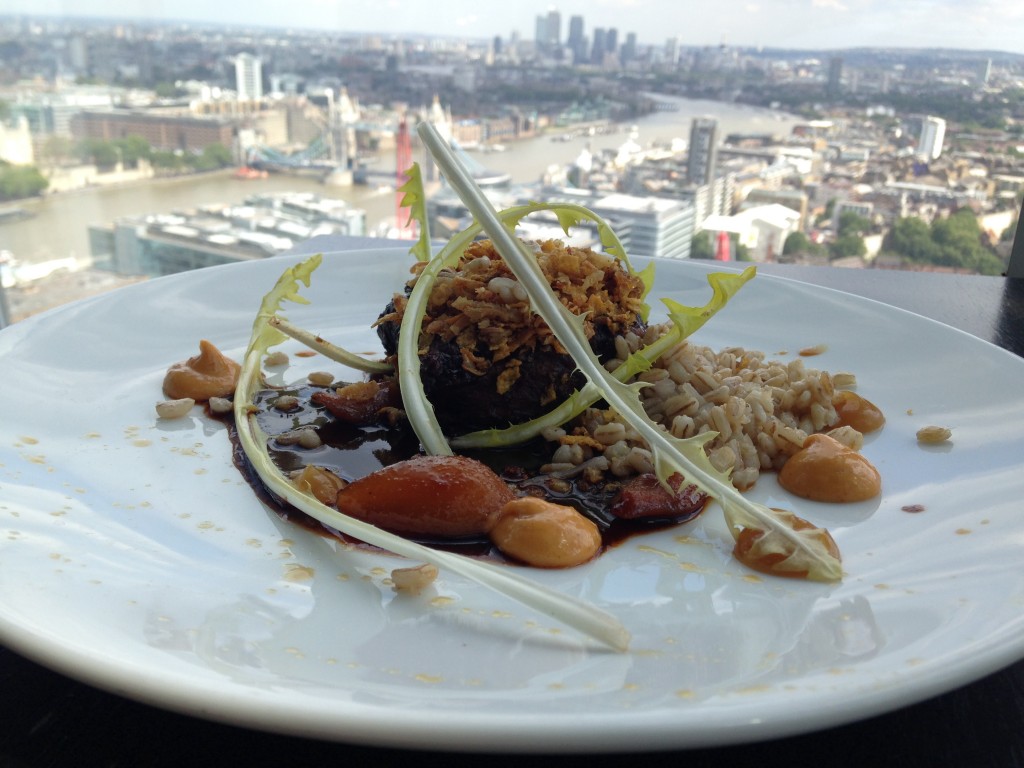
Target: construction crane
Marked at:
403, 162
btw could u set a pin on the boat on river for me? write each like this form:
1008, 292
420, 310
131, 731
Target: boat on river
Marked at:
248, 173
14, 213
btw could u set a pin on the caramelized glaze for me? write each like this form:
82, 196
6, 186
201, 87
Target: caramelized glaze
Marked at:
857, 412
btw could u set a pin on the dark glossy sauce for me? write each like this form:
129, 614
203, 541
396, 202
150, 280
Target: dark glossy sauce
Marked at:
353, 452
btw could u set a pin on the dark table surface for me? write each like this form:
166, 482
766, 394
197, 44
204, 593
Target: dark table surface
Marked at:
47, 719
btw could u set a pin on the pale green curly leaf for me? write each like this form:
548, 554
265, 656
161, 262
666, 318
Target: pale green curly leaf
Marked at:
415, 199
724, 285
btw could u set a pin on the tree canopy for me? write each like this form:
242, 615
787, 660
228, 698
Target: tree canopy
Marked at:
955, 241
797, 242
700, 246
20, 181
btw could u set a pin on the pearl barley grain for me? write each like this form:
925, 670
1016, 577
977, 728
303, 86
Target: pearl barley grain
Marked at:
412, 581
220, 405
932, 435
321, 379
174, 409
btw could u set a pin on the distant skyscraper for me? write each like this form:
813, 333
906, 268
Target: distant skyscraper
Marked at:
933, 133
577, 41
575, 28
703, 153
628, 50
554, 27
248, 77
611, 40
540, 32
549, 31
835, 77
78, 54
599, 50
672, 51
985, 73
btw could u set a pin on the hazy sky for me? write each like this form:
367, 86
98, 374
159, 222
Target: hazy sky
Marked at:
968, 24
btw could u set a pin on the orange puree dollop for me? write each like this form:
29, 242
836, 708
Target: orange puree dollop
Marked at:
545, 535
208, 374
857, 412
826, 470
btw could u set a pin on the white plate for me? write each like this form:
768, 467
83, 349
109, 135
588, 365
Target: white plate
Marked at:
134, 557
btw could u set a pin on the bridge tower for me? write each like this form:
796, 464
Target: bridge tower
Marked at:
340, 116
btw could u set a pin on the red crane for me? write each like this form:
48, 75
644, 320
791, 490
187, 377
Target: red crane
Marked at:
403, 162
723, 247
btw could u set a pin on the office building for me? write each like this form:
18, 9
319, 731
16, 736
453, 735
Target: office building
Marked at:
165, 132
248, 77
261, 227
549, 31
762, 229
577, 41
628, 50
711, 199
703, 152
646, 226
658, 226
611, 40
933, 133
835, 77
600, 47
672, 49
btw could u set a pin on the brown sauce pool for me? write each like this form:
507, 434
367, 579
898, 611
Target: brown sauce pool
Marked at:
352, 452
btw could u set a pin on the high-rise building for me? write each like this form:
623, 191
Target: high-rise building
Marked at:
672, 51
599, 49
703, 153
627, 52
554, 28
933, 133
577, 41
835, 77
549, 31
248, 77
611, 40
78, 54
658, 226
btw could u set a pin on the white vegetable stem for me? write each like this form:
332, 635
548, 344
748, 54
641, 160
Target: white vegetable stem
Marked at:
803, 550
327, 349
573, 612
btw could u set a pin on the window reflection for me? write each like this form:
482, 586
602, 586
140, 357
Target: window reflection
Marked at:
137, 148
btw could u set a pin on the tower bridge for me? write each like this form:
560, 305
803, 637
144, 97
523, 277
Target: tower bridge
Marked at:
333, 150
332, 156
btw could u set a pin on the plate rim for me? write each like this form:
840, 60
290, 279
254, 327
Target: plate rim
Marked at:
50, 653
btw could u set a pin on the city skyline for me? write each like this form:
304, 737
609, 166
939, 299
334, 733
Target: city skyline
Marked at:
822, 24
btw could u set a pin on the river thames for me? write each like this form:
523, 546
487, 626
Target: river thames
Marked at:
59, 225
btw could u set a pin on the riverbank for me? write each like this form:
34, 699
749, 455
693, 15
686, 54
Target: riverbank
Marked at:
121, 183
59, 225
10, 213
